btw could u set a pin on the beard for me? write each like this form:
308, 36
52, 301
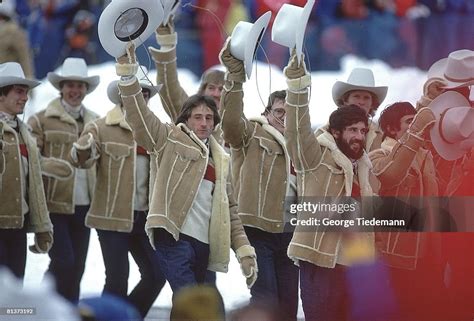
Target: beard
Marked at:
348, 151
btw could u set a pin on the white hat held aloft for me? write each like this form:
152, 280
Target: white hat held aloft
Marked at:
124, 20
74, 69
245, 39
359, 79
290, 25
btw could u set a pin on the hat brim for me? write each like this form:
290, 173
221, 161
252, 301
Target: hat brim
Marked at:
301, 29
113, 92
115, 47
438, 106
10, 80
56, 79
340, 88
254, 37
437, 71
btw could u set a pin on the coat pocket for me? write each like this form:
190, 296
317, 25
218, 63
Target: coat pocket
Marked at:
117, 153
185, 156
58, 144
270, 147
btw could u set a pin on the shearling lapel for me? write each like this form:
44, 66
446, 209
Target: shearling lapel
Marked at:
116, 117
55, 109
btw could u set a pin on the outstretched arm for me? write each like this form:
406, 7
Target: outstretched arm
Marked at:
236, 127
148, 130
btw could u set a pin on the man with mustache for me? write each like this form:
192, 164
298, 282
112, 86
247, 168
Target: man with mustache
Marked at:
263, 177
330, 167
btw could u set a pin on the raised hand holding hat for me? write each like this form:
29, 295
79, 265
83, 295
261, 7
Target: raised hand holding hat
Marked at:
166, 36
127, 64
297, 77
235, 67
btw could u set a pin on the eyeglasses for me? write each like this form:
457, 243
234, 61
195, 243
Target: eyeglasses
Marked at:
278, 112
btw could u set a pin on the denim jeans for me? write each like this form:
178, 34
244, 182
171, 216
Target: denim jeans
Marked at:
115, 247
13, 250
69, 251
184, 262
277, 281
323, 292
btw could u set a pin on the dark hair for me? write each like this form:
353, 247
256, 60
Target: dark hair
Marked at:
346, 116
279, 94
5, 90
195, 101
341, 102
392, 115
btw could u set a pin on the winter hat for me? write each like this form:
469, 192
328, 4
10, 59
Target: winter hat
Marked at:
290, 25
245, 39
124, 20
453, 134
359, 79
457, 69
11, 73
74, 69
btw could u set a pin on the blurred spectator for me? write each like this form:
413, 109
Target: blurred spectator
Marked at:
78, 38
254, 311
40, 302
46, 25
14, 46
198, 303
107, 308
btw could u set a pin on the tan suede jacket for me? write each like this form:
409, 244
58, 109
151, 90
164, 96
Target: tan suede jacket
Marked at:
322, 170
113, 150
407, 176
181, 161
55, 131
260, 163
12, 186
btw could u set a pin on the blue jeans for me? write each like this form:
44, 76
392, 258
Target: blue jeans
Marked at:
115, 247
323, 292
13, 250
184, 262
277, 281
69, 251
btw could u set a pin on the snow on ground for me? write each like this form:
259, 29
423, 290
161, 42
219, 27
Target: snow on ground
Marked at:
404, 85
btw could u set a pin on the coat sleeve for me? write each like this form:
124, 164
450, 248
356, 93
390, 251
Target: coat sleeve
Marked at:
238, 237
236, 127
37, 131
392, 168
172, 95
22, 49
87, 150
148, 130
302, 145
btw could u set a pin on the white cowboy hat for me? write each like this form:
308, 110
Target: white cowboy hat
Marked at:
359, 79
142, 76
74, 69
11, 73
7, 8
453, 134
290, 24
169, 9
124, 20
245, 39
457, 70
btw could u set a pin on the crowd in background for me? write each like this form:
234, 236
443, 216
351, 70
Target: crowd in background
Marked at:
399, 32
